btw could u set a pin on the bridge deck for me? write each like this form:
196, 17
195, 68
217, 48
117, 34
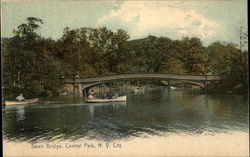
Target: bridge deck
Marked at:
143, 76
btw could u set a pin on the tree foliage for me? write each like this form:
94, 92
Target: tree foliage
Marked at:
34, 64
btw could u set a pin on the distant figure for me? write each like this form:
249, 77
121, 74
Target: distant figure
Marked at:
104, 96
20, 97
116, 95
110, 95
92, 92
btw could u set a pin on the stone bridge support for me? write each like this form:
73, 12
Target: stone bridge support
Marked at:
77, 88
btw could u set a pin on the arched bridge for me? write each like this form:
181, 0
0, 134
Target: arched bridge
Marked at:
87, 82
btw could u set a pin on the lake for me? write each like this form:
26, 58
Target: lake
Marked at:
153, 113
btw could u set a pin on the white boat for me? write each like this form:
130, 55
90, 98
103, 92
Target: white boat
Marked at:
118, 99
172, 87
21, 102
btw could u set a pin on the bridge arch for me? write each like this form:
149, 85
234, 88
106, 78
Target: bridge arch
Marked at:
88, 82
200, 84
87, 86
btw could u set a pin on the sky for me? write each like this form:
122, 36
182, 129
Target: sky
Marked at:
210, 20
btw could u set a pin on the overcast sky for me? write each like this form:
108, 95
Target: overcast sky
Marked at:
210, 20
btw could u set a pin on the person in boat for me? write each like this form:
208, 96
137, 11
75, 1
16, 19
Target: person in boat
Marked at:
141, 87
115, 95
104, 96
90, 97
109, 95
92, 92
20, 97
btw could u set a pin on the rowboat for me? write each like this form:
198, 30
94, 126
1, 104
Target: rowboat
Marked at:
21, 102
172, 87
118, 99
139, 89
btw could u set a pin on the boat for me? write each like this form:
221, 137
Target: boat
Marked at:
139, 89
21, 102
118, 99
172, 87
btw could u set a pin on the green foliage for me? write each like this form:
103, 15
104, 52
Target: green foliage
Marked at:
27, 30
33, 64
230, 62
193, 55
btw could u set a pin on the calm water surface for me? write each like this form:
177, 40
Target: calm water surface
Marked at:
157, 112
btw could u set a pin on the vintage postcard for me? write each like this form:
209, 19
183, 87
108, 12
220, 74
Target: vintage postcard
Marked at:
124, 78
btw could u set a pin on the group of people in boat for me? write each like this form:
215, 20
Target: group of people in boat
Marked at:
91, 96
140, 88
109, 95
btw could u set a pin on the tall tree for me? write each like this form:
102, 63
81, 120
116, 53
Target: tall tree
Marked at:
193, 55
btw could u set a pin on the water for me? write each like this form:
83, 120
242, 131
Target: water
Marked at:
153, 113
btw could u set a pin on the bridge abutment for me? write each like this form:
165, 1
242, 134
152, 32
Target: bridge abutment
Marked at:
205, 88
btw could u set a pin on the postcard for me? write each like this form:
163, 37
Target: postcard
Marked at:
124, 78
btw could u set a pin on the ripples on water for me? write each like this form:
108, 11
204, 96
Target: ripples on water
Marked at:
152, 113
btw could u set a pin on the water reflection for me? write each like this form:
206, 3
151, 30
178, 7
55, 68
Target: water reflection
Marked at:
94, 106
152, 113
20, 113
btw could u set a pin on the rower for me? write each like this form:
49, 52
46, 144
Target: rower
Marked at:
92, 92
90, 97
20, 97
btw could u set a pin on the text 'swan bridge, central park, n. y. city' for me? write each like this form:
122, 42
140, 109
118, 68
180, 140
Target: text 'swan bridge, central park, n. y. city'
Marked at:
84, 83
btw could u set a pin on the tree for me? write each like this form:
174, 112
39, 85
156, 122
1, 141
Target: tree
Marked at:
108, 49
193, 55
230, 62
243, 37
30, 65
27, 30
34, 64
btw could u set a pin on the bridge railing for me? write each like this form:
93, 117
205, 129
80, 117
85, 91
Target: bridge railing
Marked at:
143, 75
